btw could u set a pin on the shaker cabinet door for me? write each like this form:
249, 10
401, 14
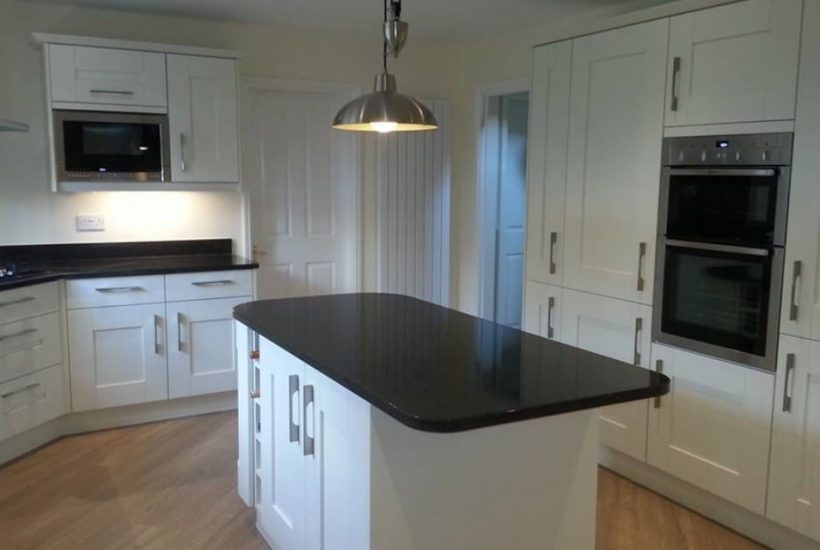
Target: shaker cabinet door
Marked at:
620, 330
713, 428
203, 119
734, 63
547, 161
117, 356
613, 169
794, 486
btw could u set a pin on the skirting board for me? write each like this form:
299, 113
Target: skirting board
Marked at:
734, 517
88, 421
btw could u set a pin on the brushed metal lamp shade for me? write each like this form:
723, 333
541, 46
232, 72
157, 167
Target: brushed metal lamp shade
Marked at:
385, 110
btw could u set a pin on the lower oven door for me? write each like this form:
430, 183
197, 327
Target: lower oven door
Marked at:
720, 300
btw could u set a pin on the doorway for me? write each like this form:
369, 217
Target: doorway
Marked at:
503, 167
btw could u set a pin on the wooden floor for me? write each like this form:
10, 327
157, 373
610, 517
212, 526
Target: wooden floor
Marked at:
171, 485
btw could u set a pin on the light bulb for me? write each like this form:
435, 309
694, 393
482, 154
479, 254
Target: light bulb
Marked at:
384, 127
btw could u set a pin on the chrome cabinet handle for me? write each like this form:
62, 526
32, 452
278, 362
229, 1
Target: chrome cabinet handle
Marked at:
255, 394
638, 328
115, 92
293, 389
119, 289
18, 301
309, 447
659, 370
550, 310
641, 256
21, 390
156, 336
676, 63
553, 242
210, 283
18, 334
791, 359
797, 273
180, 323
182, 163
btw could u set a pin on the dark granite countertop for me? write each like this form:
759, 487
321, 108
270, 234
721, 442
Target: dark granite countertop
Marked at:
439, 370
43, 263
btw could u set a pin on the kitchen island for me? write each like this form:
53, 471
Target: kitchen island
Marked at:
376, 421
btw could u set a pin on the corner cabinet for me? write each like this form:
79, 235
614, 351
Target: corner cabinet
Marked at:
794, 484
734, 63
203, 119
613, 166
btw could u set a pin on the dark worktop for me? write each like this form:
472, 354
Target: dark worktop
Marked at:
43, 263
439, 370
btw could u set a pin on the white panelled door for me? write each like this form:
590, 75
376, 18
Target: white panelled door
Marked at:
613, 168
302, 179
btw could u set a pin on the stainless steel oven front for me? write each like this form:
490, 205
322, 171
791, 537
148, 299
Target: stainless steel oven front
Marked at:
721, 233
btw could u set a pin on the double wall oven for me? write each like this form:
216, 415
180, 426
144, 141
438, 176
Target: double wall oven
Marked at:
721, 233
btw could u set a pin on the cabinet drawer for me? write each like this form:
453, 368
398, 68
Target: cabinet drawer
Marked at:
210, 284
114, 291
29, 345
27, 302
31, 400
107, 76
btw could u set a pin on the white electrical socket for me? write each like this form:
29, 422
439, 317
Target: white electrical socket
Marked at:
90, 222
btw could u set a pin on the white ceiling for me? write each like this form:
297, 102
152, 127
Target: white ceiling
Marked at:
432, 18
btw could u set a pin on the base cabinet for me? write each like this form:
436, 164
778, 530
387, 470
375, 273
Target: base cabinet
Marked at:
794, 483
620, 330
117, 356
713, 428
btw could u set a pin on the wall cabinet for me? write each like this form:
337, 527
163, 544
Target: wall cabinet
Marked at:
617, 329
542, 310
203, 119
794, 486
734, 63
91, 78
117, 356
713, 429
314, 457
547, 161
613, 168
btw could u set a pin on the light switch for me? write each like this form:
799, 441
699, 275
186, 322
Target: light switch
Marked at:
90, 222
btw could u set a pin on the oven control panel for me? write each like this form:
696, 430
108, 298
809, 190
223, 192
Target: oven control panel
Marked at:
736, 150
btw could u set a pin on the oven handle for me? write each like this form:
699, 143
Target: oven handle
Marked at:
762, 172
744, 250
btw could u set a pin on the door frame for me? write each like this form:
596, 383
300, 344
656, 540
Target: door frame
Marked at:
246, 85
486, 201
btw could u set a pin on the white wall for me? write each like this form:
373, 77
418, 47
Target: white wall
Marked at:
30, 214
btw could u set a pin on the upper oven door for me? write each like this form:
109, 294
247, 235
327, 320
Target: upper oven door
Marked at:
720, 300
111, 146
737, 206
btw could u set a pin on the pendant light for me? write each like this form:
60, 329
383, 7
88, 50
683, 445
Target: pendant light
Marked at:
385, 110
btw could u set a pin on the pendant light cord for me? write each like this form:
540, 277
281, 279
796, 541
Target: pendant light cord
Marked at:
384, 39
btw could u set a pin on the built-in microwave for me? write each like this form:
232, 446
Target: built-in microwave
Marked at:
93, 146
721, 237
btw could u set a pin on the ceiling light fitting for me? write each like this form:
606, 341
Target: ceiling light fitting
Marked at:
385, 110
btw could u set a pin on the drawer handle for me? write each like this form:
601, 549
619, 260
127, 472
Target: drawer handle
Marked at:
18, 334
180, 324
636, 359
659, 370
182, 164
309, 447
157, 325
212, 283
119, 289
21, 390
293, 389
18, 301
641, 256
791, 359
553, 242
794, 307
550, 311
115, 92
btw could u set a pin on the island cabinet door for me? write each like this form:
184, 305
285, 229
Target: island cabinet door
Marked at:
620, 330
794, 483
547, 161
542, 310
117, 356
714, 427
200, 358
281, 469
735, 63
336, 435
613, 166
